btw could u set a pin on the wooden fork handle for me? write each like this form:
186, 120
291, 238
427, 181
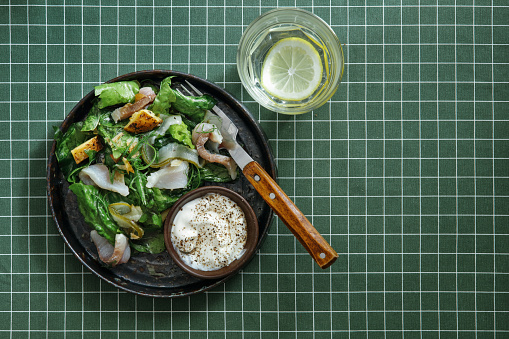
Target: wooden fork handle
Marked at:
294, 219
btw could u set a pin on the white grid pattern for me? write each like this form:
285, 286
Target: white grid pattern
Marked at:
144, 309
10, 165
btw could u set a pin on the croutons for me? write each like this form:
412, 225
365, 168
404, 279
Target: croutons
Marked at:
142, 121
93, 144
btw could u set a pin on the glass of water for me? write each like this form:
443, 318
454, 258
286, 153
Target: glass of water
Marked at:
290, 61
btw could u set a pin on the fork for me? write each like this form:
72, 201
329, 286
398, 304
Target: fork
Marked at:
276, 198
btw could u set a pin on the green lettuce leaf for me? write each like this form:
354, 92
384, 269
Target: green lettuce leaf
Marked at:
181, 133
192, 106
164, 98
116, 93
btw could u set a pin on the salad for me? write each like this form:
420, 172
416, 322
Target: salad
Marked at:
142, 145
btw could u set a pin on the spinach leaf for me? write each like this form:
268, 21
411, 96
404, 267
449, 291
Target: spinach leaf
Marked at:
193, 107
151, 219
92, 119
150, 243
153, 198
190, 124
75, 173
163, 200
215, 173
94, 208
105, 119
115, 93
66, 142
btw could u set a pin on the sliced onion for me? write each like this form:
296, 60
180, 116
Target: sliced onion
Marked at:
126, 216
170, 152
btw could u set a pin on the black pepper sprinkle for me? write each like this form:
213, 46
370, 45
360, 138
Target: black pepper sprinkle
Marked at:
217, 211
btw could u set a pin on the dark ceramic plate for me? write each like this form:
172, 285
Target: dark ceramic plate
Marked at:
147, 274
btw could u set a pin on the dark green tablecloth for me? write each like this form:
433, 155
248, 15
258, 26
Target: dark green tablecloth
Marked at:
405, 171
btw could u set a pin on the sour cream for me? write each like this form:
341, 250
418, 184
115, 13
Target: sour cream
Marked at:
209, 232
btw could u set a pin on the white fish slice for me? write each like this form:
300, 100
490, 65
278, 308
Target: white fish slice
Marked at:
170, 177
99, 175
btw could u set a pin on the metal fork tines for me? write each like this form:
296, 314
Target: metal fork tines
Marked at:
227, 124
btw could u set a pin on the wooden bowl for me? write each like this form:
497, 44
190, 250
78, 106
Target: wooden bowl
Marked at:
252, 232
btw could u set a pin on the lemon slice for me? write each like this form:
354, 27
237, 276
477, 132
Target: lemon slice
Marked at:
292, 70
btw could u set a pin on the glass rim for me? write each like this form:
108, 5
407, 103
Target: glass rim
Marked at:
289, 10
